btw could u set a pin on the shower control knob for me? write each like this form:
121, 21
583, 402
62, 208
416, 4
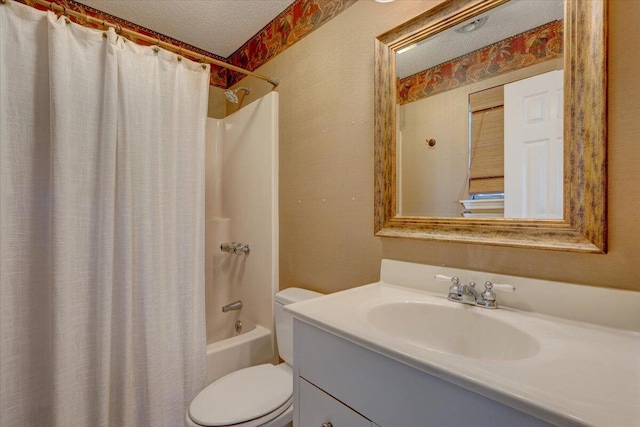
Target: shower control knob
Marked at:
242, 249
327, 425
235, 248
228, 247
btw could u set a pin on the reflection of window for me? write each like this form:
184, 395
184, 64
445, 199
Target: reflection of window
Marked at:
486, 170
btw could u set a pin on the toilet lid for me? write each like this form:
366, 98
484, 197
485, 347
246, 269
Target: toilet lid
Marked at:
242, 395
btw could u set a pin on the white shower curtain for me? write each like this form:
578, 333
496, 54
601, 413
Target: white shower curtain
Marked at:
101, 227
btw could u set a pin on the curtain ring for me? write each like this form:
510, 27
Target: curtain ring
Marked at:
119, 32
156, 48
64, 13
179, 53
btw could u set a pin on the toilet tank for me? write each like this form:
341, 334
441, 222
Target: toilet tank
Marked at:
284, 321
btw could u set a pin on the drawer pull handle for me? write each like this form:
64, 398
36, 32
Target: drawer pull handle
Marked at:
327, 425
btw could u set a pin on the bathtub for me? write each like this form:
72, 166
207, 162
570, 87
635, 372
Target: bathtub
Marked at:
253, 347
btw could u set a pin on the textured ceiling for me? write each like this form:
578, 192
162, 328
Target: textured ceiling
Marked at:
514, 17
217, 26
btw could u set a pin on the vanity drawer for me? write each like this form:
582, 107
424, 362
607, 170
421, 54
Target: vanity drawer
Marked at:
317, 409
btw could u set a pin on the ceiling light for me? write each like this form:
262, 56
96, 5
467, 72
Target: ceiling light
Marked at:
472, 26
384, 1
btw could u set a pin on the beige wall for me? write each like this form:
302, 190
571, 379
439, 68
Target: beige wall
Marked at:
326, 163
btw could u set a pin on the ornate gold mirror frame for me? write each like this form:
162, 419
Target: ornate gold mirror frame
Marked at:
584, 224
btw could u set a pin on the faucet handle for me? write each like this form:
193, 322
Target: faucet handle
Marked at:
488, 297
488, 294
454, 289
503, 288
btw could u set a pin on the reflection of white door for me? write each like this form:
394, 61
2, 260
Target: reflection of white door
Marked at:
533, 130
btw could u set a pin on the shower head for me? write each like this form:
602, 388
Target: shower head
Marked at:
232, 95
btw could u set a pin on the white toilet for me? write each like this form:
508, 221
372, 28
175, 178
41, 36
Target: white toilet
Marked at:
258, 396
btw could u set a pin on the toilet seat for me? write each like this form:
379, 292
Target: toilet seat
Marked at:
248, 397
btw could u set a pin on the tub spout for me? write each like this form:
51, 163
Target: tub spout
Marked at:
233, 306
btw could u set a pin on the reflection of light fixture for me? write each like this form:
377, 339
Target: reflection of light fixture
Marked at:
404, 49
472, 26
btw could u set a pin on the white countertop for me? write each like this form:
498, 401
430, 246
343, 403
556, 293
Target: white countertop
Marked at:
583, 374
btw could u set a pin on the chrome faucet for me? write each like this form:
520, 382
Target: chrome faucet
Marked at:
467, 294
237, 305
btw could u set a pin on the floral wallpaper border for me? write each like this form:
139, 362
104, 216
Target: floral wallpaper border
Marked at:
522, 50
295, 22
300, 19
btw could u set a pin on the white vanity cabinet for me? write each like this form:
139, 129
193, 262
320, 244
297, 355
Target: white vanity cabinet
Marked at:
398, 353
347, 385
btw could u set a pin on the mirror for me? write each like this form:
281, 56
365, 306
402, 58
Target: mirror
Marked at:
455, 90
436, 114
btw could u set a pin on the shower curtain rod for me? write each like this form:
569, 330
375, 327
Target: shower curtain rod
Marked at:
155, 41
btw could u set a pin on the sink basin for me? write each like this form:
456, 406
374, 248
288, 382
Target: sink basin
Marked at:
459, 330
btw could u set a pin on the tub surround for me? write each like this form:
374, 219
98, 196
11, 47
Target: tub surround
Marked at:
242, 207
583, 372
